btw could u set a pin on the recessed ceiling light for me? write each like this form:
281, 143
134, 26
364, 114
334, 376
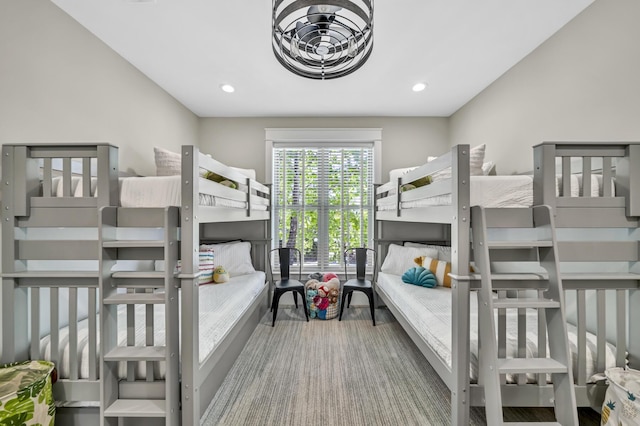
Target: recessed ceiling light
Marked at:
227, 88
419, 87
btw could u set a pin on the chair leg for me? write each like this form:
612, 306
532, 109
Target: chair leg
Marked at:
344, 297
304, 304
350, 296
371, 306
295, 298
274, 306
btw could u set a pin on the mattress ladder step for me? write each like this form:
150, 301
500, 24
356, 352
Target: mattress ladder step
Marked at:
529, 365
135, 299
141, 398
517, 244
133, 244
542, 247
136, 408
139, 279
136, 353
138, 275
525, 302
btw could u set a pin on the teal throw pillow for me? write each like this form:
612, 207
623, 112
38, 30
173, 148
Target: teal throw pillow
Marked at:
420, 276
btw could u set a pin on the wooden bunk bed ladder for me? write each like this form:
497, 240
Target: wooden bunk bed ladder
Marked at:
493, 365
131, 398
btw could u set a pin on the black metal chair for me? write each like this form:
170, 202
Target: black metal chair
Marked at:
359, 283
286, 283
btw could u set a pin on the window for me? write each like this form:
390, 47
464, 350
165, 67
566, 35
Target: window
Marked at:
323, 198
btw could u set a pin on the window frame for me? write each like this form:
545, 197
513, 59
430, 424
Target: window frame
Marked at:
324, 137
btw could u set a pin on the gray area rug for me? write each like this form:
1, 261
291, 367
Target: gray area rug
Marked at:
329, 373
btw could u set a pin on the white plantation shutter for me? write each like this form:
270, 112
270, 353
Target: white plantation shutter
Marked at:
323, 199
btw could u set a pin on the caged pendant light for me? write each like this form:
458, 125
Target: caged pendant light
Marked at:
322, 41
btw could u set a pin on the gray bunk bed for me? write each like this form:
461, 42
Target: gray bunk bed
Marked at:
76, 265
598, 245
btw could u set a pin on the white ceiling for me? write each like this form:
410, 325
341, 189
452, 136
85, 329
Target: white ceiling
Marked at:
191, 47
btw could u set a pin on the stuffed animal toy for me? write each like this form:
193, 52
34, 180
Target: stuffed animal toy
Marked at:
333, 295
312, 284
333, 283
323, 291
220, 275
315, 276
311, 293
229, 183
329, 275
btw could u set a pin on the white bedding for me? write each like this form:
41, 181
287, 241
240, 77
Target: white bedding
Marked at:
487, 191
221, 306
429, 312
152, 191
497, 191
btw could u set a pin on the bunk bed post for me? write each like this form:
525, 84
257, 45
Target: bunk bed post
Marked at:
107, 185
14, 301
627, 173
634, 329
189, 283
460, 227
544, 181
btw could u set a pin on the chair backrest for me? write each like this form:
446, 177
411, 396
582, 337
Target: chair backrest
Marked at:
285, 258
361, 257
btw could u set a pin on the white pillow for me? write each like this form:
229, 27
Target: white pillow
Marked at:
250, 173
399, 259
168, 163
444, 252
488, 168
234, 257
396, 173
476, 159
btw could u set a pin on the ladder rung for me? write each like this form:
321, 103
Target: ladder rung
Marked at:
136, 353
530, 365
52, 274
525, 302
138, 275
506, 244
512, 277
135, 299
136, 408
132, 243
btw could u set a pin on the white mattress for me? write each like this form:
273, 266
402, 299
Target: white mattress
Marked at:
487, 191
498, 191
221, 306
152, 191
429, 312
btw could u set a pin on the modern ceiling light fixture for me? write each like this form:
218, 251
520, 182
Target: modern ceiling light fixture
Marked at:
322, 41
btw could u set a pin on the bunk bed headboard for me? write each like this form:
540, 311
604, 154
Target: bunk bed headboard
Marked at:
33, 251
598, 235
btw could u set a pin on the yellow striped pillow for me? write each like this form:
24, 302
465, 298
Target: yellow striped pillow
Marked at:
440, 269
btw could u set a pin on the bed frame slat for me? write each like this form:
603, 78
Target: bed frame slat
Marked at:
93, 334
73, 333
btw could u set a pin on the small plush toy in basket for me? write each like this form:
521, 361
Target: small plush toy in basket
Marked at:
323, 291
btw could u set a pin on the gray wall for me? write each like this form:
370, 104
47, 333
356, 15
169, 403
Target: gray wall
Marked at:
581, 84
59, 83
405, 141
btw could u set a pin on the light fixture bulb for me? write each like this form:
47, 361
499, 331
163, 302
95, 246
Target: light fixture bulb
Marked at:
295, 50
353, 48
227, 88
419, 87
